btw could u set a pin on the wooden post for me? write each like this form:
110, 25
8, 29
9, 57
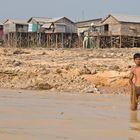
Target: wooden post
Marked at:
15, 40
20, 39
8, 39
28, 39
120, 41
62, 40
56, 45
47, 41
133, 41
111, 42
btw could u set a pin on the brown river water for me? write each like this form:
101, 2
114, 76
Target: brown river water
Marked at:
39, 115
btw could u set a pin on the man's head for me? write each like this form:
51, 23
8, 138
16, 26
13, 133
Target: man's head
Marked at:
136, 58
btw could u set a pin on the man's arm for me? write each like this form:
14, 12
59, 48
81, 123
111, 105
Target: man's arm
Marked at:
131, 76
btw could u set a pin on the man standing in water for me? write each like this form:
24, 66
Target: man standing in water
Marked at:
134, 81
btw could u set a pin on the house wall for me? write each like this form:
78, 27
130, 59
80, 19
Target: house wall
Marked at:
114, 26
21, 28
33, 27
1, 33
70, 27
121, 28
81, 30
86, 25
12, 27
9, 28
60, 28
130, 29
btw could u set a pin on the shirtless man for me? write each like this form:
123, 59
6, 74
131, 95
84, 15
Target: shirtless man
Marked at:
134, 81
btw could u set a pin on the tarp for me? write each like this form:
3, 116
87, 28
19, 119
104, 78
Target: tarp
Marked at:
47, 25
32, 28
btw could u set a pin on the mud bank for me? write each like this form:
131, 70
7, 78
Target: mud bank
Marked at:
66, 70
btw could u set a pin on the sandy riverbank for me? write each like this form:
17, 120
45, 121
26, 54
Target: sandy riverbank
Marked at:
38, 115
66, 70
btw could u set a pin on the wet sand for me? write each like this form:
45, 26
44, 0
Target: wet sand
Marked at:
38, 115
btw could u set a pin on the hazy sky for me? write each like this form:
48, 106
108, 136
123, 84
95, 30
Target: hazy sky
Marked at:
73, 9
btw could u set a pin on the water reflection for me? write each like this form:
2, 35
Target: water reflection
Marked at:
135, 121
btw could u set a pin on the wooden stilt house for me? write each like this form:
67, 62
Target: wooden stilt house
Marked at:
120, 31
60, 30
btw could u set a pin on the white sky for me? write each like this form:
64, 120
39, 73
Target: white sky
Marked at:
74, 9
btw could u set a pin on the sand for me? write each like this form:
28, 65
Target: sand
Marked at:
66, 70
71, 94
41, 115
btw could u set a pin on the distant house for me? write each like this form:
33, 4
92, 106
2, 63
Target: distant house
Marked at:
123, 25
83, 26
11, 26
59, 32
36, 22
1, 31
119, 31
59, 25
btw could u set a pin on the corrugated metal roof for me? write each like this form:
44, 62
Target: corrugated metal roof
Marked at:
125, 18
87, 23
17, 21
48, 25
40, 19
53, 20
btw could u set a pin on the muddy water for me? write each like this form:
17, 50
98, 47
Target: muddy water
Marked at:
37, 115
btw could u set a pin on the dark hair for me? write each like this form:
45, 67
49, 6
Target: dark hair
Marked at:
136, 55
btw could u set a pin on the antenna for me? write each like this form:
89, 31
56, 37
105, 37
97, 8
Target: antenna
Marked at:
83, 15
